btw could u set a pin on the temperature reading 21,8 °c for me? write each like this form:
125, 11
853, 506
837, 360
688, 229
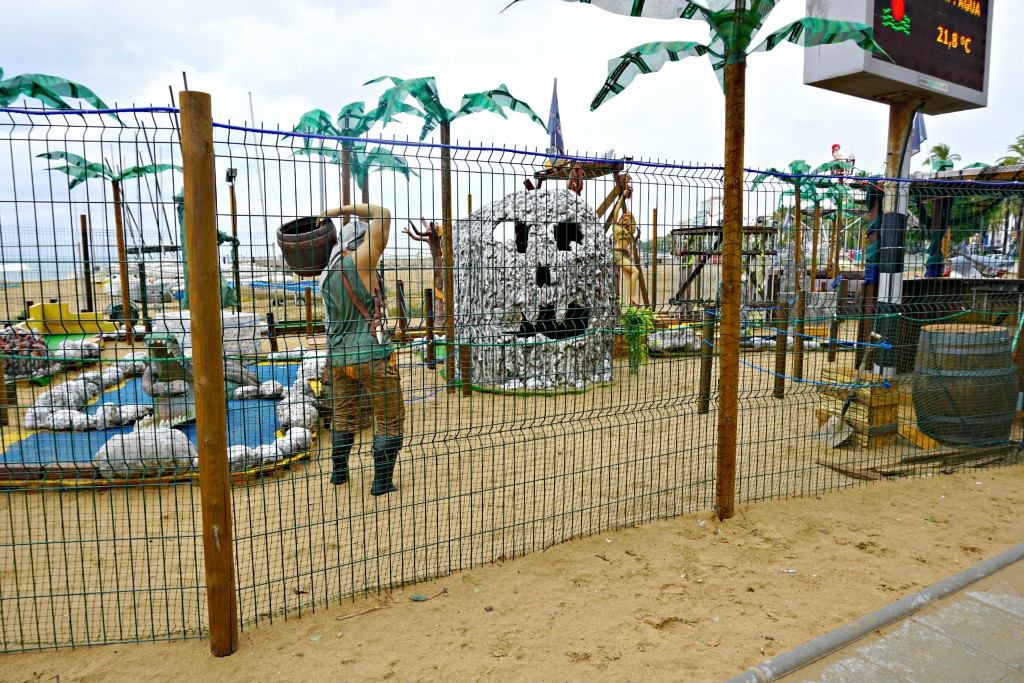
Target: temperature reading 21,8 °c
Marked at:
954, 40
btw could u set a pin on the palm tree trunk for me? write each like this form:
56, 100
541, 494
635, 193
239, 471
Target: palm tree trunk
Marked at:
122, 261
729, 360
801, 299
346, 175
446, 244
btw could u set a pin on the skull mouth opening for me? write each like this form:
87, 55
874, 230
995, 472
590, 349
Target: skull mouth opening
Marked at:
573, 324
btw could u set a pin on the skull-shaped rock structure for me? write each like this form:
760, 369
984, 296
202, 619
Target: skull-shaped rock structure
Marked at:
534, 293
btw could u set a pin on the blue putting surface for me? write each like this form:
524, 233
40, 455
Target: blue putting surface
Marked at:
252, 422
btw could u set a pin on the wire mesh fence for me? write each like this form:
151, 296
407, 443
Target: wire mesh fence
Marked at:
546, 370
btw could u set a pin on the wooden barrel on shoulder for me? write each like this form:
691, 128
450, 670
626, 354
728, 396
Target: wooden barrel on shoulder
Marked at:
965, 384
306, 246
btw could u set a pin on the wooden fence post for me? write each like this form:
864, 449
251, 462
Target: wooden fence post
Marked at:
654, 259
200, 185
403, 315
781, 314
449, 268
87, 266
428, 323
707, 358
798, 335
307, 297
271, 331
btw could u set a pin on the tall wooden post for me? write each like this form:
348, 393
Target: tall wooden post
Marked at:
894, 210
346, 175
208, 363
707, 359
403, 313
449, 267
781, 339
798, 335
732, 241
428, 322
654, 259
798, 238
236, 276
86, 264
271, 331
122, 262
307, 297
815, 242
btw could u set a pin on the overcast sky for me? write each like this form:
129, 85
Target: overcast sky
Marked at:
297, 55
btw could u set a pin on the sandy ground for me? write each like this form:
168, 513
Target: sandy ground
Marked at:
681, 599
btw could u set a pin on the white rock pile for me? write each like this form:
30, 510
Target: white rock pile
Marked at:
155, 451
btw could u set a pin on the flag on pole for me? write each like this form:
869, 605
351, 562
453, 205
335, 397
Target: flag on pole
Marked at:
555, 122
918, 134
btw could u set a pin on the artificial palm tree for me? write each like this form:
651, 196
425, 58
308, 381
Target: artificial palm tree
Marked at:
78, 169
940, 158
435, 115
733, 24
357, 162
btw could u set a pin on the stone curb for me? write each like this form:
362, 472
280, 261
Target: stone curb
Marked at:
813, 650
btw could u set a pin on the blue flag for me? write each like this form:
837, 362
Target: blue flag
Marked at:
918, 134
555, 122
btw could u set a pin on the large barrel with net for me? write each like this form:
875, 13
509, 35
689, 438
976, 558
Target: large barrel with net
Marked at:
306, 246
965, 384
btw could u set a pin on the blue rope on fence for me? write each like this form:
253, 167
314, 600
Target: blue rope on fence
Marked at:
840, 342
433, 393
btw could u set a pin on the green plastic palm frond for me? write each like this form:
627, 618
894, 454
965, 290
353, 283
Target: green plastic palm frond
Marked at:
354, 122
378, 159
332, 155
78, 169
811, 32
139, 171
423, 90
793, 175
314, 122
496, 100
50, 90
643, 59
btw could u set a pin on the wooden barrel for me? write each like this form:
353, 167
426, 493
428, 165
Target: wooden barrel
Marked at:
965, 384
305, 246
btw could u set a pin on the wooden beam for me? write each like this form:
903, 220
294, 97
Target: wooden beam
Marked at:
200, 183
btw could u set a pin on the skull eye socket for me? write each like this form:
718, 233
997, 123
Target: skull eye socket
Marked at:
543, 276
567, 232
520, 233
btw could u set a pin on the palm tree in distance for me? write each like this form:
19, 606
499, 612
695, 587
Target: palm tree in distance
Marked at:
1015, 153
939, 157
79, 170
733, 24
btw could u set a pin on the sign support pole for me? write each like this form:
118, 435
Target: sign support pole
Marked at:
892, 234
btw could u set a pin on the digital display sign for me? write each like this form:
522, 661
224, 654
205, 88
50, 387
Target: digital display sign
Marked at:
944, 39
